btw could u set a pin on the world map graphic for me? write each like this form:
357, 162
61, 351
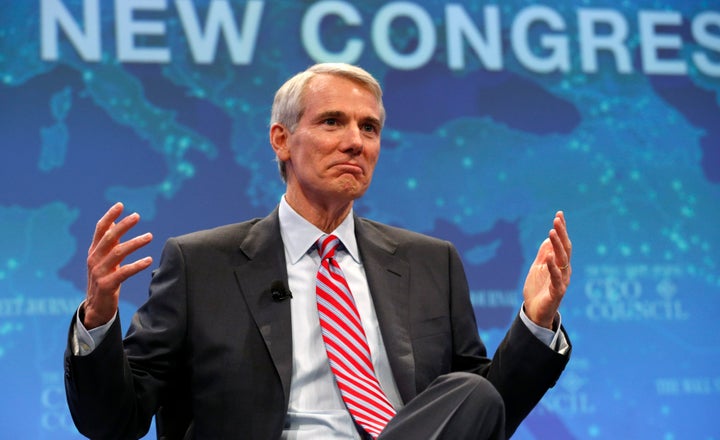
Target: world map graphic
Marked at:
481, 158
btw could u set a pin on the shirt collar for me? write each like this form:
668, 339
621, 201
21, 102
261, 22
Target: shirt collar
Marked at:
299, 235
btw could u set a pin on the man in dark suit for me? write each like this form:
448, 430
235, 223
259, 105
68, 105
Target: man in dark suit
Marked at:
223, 349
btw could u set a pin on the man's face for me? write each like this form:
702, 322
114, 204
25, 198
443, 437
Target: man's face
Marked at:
332, 153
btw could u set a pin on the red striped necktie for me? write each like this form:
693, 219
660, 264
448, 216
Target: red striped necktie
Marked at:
346, 344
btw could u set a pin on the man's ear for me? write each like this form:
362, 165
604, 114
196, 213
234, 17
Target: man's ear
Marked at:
279, 139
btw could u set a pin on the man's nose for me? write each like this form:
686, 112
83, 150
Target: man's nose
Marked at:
353, 142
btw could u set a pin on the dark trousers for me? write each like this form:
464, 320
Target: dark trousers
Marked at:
455, 406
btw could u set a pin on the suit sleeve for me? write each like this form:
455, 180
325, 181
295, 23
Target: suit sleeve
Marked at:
114, 391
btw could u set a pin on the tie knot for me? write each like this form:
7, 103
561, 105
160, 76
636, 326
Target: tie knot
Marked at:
327, 245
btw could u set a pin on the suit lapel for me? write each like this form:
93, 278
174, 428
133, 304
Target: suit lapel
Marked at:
264, 250
388, 279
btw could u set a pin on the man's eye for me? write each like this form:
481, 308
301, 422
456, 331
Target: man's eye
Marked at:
370, 128
331, 121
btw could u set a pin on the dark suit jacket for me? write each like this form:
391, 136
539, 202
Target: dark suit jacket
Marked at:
210, 346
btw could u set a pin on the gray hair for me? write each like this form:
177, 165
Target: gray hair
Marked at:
288, 106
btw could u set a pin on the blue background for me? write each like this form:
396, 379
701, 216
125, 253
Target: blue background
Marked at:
482, 158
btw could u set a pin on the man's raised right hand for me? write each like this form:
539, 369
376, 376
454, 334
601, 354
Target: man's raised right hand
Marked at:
104, 265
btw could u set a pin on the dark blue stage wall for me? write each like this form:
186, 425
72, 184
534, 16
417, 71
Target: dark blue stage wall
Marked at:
499, 115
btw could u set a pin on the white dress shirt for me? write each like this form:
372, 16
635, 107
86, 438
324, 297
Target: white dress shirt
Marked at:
316, 409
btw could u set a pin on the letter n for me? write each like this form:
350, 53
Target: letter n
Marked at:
55, 16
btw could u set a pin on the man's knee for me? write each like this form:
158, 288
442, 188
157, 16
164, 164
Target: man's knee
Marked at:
480, 391
481, 414
455, 406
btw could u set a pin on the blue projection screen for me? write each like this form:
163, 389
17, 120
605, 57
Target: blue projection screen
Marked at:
499, 114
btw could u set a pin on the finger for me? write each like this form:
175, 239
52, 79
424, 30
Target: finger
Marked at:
561, 257
122, 250
110, 262
117, 277
113, 234
556, 275
542, 252
105, 222
561, 227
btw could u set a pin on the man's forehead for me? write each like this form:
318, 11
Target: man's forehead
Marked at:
322, 81
327, 84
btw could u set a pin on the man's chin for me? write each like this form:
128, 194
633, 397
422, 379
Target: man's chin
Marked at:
351, 188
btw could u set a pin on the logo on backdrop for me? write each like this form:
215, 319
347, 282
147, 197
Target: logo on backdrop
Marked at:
634, 293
